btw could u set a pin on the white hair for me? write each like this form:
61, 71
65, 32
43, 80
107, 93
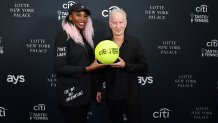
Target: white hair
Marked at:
117, 10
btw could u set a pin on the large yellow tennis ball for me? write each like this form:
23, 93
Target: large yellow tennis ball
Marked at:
107, 52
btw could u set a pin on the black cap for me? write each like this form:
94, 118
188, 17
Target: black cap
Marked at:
78, 7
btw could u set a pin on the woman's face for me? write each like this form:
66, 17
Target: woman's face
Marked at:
79, 19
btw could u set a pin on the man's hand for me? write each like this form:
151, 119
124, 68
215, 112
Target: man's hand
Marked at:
98, 97
119, 64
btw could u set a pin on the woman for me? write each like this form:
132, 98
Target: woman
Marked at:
74, 66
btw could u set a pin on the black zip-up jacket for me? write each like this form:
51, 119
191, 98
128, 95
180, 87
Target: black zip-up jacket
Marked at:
73, 82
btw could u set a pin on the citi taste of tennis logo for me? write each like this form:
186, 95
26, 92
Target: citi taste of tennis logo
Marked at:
163, 113
106, 12
200, 15
210, 50
2, 112
63, 12
39, 112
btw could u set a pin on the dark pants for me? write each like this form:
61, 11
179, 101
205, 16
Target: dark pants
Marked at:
130, 107
76, 114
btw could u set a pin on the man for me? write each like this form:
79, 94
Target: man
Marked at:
122, 91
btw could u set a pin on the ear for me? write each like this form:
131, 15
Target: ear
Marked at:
126, 23
70, 18
109, 23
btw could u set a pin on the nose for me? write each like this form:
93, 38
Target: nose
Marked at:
117, 25
83, 17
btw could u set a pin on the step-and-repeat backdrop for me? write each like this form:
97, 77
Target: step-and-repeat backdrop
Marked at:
180, 38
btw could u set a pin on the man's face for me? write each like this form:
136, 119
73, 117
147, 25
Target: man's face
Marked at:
117, 24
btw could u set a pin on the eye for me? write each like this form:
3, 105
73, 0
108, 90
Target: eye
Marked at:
85, 15
78, 14
113, 22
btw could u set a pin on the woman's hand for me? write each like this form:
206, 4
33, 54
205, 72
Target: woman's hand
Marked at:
95, 65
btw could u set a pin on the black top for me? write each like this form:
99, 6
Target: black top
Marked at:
122, 83
73, 82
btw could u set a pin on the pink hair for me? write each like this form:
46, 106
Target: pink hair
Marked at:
74, 33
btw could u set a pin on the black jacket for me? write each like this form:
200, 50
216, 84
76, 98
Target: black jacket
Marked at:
73, 82
122, 83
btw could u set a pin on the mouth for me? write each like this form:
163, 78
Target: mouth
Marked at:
81, 24
118, 31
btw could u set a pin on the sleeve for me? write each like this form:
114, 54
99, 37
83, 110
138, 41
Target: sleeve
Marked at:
139, 66
99, 80
62, 54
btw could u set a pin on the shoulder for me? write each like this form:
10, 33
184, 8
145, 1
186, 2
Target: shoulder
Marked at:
132, 40
61, 34
61, 37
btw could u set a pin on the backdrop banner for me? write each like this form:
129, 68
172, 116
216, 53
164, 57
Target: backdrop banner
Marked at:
180, 41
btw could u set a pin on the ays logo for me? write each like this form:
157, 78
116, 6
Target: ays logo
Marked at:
15, 79
145, 80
